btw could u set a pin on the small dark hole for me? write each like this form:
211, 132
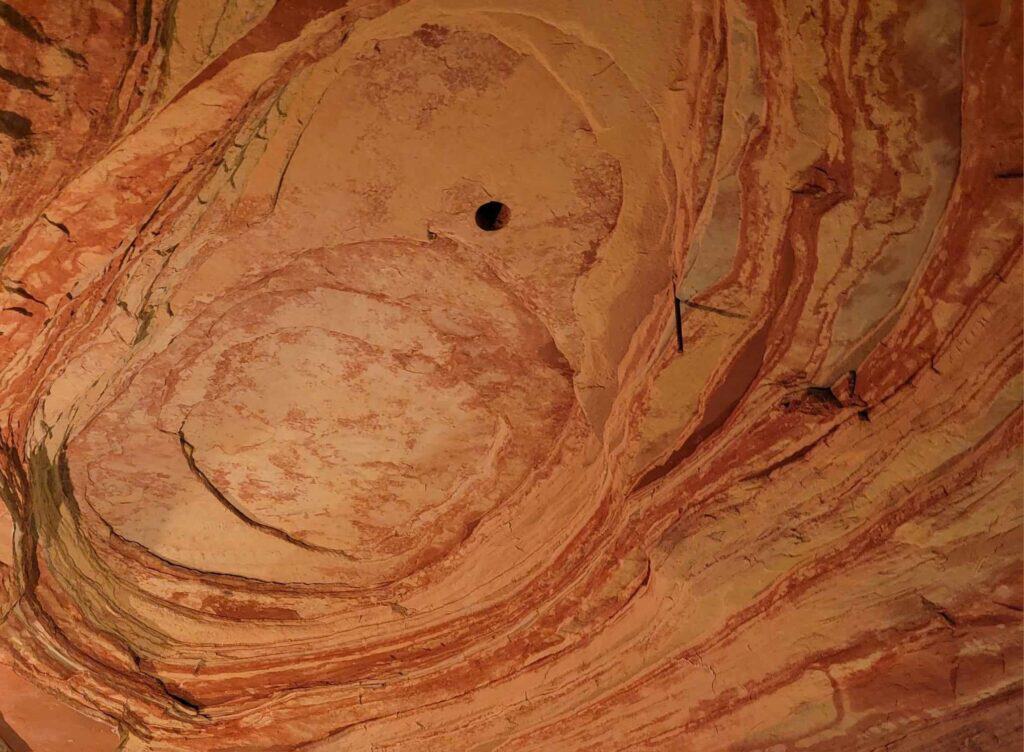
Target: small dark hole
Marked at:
492, 216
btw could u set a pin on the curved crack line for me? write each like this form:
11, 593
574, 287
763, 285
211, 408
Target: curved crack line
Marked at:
188, 451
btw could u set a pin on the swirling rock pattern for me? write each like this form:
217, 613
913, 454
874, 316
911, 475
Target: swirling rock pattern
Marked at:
714, 445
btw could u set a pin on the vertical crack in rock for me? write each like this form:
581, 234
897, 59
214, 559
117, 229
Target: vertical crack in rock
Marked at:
679, 324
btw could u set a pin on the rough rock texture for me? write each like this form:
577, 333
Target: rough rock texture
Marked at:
715, 445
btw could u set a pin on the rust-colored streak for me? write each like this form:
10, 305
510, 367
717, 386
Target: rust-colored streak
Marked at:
282, 24
440, 376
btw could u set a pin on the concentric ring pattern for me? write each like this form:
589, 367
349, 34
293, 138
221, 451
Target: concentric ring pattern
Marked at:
711, 440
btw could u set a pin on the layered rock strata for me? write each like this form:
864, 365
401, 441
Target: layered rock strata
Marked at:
707, 438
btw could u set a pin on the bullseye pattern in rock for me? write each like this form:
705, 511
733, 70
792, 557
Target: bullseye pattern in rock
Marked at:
359, 426
706, 435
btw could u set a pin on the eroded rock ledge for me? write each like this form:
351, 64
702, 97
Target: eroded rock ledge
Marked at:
707, 438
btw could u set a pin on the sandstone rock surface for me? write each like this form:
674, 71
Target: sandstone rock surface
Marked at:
711, 439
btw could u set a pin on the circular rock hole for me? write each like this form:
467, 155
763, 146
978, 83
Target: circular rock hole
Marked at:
492, 216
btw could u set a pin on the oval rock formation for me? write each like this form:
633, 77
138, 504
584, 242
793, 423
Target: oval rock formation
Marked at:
512, 375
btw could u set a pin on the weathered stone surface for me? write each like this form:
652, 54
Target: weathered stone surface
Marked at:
714, 445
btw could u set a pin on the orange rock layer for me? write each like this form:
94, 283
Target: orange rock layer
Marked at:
711, 439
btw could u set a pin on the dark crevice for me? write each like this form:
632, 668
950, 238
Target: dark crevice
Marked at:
679, 325
814, 400
189, 451
30, 29
21, 292
22, 24
147, 19
26, 83
939, 611
14, 125
794, 457
10, 738
76, 57
20, 309
180, 699
825, 395
177, 697
59, 225
712, 309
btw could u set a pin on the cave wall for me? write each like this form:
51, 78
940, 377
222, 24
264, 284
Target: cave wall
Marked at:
712, 442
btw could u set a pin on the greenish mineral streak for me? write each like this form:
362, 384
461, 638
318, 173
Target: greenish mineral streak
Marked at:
49, 484
145, 319
167, 30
